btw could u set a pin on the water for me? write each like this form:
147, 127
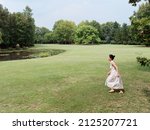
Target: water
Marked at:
28, 54
5, 56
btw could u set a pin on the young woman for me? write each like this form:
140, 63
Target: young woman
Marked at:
113, 80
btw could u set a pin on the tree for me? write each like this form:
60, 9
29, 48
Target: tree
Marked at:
113, 32
125, 33
131, 35
141, 24
17, 28
64, 31
116, 32
94, 24
108, 31
1, 40
134, 2
29, 27
97, 26
86, 34
40, 34
4, 25
50, 37
22, 28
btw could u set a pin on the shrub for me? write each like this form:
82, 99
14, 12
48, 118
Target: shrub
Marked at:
143, 61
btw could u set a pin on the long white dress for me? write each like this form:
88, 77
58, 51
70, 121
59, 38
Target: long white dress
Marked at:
113, 81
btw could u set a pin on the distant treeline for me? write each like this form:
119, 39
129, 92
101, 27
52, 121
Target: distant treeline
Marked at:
92, 32
18, 29
87, 32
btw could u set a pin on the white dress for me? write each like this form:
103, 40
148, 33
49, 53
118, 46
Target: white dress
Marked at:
113, 81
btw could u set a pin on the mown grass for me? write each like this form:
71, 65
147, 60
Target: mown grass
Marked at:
73, 81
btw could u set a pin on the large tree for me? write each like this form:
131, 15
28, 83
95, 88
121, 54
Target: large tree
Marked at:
86, 34
108, 31
125, 33
94, 24
116, 32
29, 27
64, 31
141, 24
134, 2
4, 25
16, 28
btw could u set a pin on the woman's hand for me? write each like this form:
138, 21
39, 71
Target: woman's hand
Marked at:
108, 73
118, 75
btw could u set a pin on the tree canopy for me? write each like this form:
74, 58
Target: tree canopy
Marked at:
134, 2
64, 31
1, 38
141, 23
16, 28
40, 33
86, 34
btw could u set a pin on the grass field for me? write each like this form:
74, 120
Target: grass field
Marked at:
73, 81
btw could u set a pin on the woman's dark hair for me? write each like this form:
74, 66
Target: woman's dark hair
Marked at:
111, 56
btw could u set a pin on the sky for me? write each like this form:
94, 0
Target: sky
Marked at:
46, 12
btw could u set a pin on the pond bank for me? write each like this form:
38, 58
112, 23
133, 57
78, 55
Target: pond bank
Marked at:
6, 55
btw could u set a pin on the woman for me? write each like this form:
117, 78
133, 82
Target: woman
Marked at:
113, 80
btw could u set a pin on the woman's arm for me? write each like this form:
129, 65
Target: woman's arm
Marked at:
109, 72
116, 67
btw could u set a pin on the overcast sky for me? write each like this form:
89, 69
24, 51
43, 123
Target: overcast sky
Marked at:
46, 12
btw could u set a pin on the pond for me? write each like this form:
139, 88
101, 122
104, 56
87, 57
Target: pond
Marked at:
6, 55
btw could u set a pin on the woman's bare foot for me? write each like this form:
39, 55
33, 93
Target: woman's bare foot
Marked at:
121, 92
111, 91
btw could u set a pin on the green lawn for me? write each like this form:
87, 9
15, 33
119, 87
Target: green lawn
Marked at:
73, 81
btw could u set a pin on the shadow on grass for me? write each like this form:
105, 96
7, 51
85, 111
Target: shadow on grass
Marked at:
147, 93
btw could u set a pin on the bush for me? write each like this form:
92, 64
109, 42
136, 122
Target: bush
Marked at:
143, 61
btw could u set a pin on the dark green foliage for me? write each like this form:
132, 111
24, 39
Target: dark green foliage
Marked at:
40, 34
16, 28
87, 34
134, 2
113, 32
141, 24
50, 37
64, 31
143, 61
4, 25
1, 38
107, 31
94, 24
